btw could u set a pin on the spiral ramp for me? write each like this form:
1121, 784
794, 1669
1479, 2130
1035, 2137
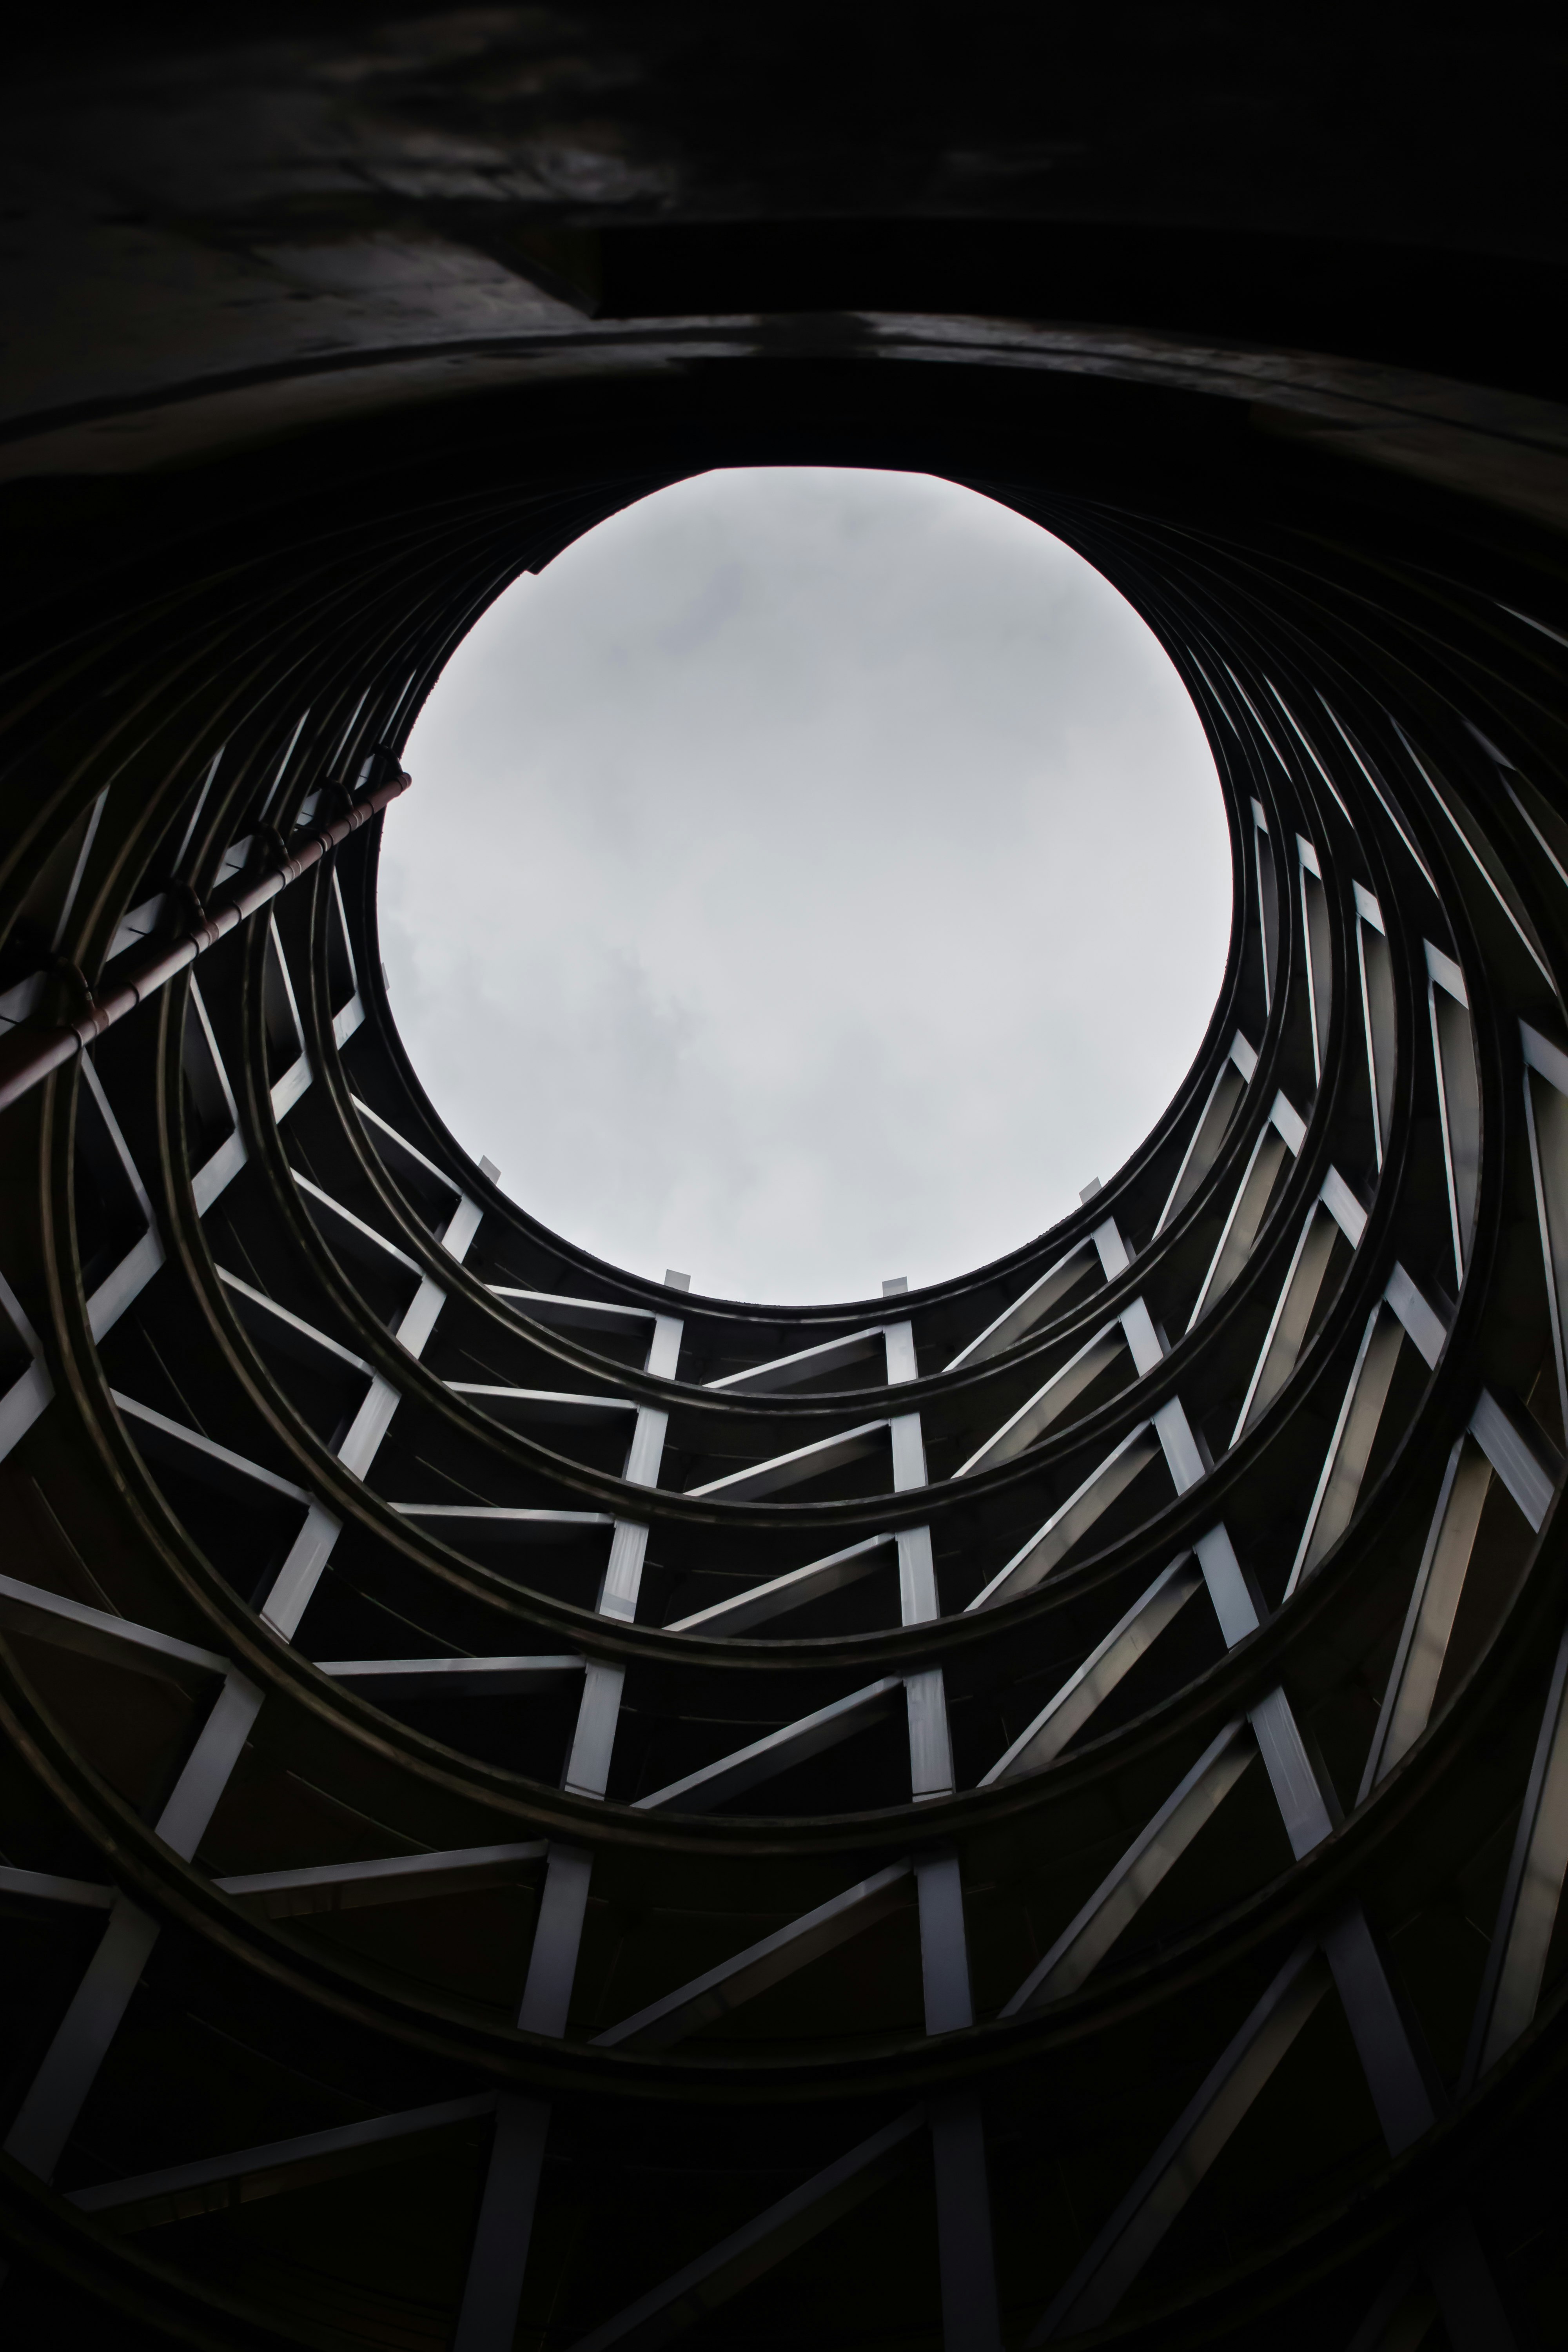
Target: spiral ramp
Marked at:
1068, 1766
542, 1807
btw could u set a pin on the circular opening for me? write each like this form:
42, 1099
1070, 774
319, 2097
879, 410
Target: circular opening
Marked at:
814, 876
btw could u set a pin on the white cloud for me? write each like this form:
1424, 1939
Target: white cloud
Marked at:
811, 877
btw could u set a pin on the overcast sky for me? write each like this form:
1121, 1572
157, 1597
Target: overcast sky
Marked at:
810, 877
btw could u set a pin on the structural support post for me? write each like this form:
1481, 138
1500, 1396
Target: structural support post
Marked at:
1429, 1618
498, 2262
59, 2089
971, 2320
294, 1586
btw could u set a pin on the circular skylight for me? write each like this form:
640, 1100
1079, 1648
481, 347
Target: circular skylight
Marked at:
812, 877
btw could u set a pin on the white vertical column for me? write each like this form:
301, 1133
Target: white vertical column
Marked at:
931, 1754
295, 1583
971, 2321
498, 2261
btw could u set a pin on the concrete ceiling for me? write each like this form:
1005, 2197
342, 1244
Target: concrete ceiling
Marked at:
248, 224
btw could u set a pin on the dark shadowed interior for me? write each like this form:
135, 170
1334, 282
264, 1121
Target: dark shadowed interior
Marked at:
542, 1809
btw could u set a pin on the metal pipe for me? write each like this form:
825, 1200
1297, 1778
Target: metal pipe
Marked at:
30, 1056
